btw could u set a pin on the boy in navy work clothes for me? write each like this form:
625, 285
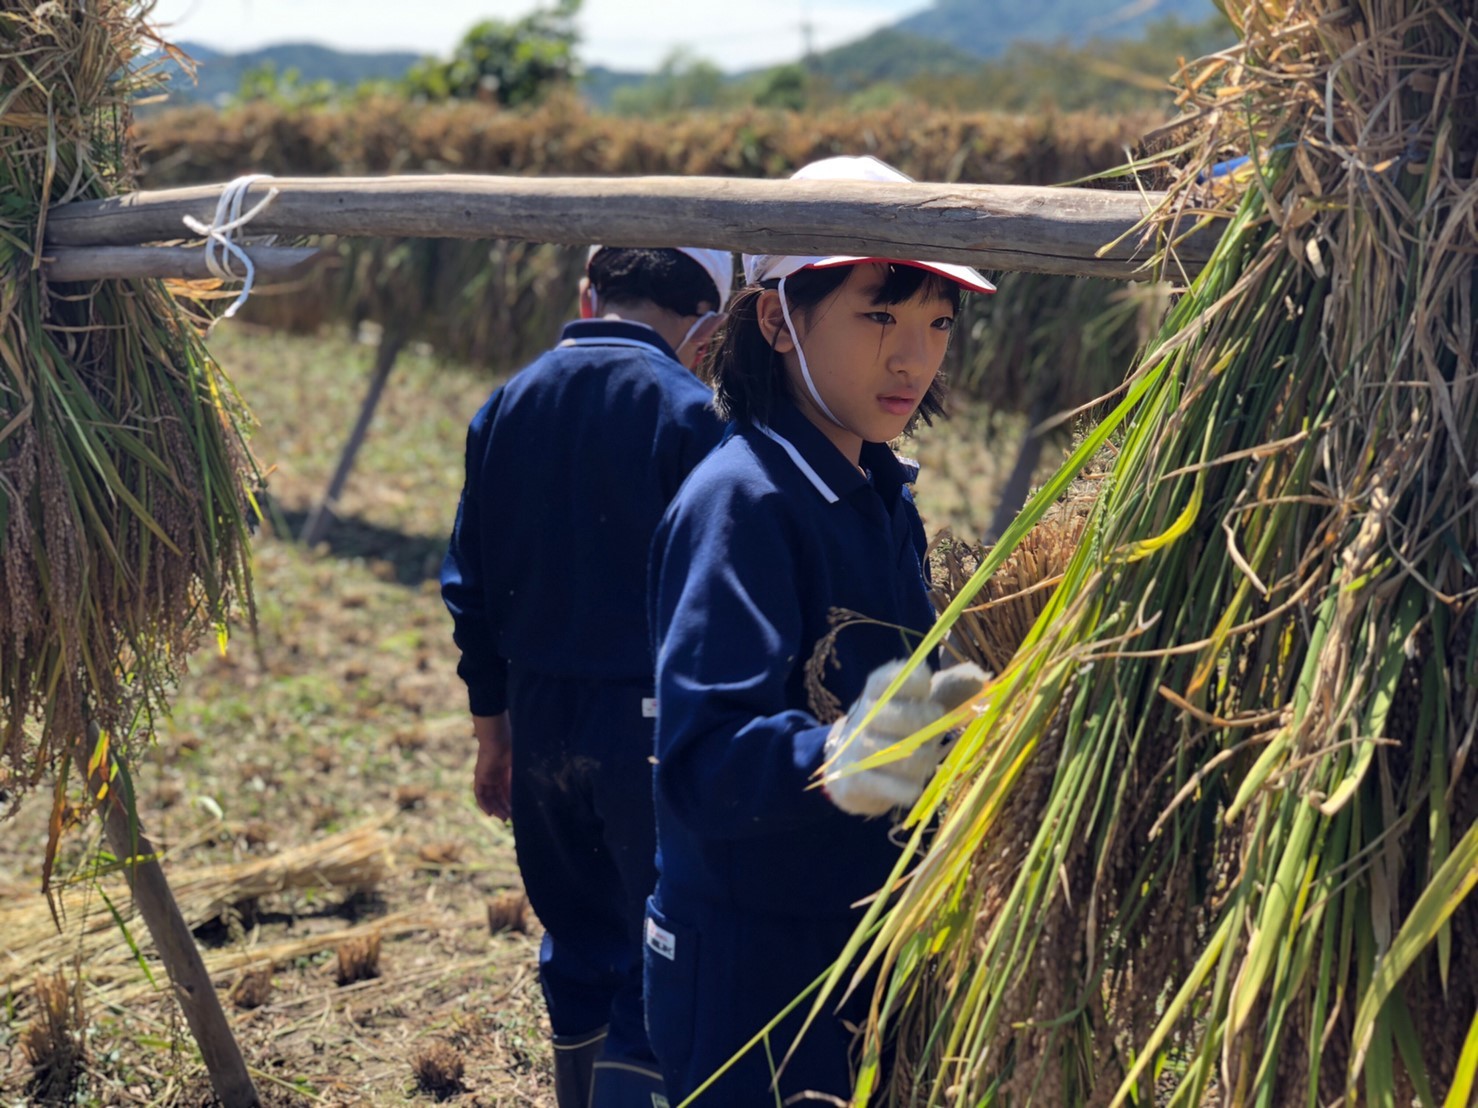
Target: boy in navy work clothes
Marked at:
569, 468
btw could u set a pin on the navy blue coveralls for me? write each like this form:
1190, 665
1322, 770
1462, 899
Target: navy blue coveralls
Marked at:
569, 468
758, 872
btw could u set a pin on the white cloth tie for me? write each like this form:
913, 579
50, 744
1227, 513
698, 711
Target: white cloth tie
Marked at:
699, 322
223, 232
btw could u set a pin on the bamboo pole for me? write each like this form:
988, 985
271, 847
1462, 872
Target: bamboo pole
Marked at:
95, 263
172, 938
1039, 230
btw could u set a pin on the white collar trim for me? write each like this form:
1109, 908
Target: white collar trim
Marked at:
801, 464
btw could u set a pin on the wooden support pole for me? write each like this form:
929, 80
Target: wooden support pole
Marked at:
323, 512
1019, 481
1039, 230
172, 938
96, 263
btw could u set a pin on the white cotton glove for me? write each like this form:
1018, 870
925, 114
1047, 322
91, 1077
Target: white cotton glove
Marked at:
919, 701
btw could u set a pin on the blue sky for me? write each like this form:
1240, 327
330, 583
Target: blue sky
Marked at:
624, 34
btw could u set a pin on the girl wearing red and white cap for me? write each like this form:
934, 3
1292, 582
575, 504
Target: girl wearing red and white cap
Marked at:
802, 510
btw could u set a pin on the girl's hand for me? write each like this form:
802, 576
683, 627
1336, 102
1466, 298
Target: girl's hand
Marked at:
919, 701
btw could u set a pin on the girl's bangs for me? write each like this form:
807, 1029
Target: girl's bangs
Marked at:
908, 282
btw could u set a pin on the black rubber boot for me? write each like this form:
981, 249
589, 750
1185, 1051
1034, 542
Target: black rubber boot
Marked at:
624, 1084
574, 1059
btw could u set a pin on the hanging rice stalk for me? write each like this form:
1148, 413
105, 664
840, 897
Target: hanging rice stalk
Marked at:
1212, 836
123, 520
1054, 343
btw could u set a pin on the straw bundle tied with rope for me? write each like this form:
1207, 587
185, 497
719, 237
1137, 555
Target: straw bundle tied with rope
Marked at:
1213, 835
123, 515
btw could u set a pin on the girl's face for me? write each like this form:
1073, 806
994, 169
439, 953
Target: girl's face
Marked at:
872, 363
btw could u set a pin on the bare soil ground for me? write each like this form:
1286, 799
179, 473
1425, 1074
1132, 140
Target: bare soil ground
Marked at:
344, 710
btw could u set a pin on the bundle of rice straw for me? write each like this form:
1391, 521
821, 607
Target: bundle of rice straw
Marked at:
1213, 836
123, 516
1002, 611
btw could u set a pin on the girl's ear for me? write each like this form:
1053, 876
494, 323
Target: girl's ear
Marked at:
587, 299
771, 318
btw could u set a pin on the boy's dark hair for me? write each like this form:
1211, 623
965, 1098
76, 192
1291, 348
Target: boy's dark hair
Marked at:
668, 278
748, 375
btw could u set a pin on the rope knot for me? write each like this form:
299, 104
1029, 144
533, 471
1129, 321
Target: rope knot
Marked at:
223, 235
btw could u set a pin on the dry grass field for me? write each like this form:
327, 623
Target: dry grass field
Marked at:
405, 972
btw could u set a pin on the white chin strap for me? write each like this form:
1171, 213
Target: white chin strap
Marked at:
801, 355
699, 322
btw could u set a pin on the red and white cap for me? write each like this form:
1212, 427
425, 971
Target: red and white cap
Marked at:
768, 267
718, 264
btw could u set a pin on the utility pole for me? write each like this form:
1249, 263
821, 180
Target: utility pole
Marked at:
808, 36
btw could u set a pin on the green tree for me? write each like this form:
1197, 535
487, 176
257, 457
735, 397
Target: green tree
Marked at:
505, 62
286, 88
682, 82
785, 86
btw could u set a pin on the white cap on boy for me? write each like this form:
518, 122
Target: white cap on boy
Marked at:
767, 267
718, 264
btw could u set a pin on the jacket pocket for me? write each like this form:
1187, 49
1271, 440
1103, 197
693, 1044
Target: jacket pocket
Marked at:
670, 981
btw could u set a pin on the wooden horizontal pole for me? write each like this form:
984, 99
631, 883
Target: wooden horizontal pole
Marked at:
1040, 230
95, 263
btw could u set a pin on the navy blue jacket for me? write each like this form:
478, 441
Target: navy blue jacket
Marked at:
771, 532
569, 467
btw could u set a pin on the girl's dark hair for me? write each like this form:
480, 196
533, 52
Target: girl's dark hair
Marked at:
747, 373
668, 278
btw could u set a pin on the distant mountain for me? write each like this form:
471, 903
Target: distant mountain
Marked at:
949, 37
199, 51
891, 55
987, 27
219, 75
